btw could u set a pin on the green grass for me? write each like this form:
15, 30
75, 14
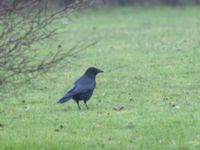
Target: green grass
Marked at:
158, 86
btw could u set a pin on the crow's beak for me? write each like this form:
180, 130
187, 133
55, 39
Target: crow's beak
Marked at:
100, 71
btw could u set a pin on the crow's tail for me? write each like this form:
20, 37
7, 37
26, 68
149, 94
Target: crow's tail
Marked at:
64, 99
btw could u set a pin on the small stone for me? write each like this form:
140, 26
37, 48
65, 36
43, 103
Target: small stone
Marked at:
119, 108
57, 130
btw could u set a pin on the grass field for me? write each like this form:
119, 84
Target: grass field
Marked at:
154, 53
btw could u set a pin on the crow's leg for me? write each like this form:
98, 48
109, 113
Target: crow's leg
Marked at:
85, 102
77, 102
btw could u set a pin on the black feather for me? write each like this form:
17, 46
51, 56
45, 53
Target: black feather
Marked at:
82, 88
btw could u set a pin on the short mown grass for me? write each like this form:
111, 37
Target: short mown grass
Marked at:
148, 98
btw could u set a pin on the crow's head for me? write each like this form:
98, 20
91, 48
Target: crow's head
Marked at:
92, 71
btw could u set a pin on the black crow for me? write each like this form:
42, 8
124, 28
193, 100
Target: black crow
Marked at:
82, 88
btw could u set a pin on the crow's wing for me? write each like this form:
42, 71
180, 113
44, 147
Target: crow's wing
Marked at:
80, 86
68, 95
